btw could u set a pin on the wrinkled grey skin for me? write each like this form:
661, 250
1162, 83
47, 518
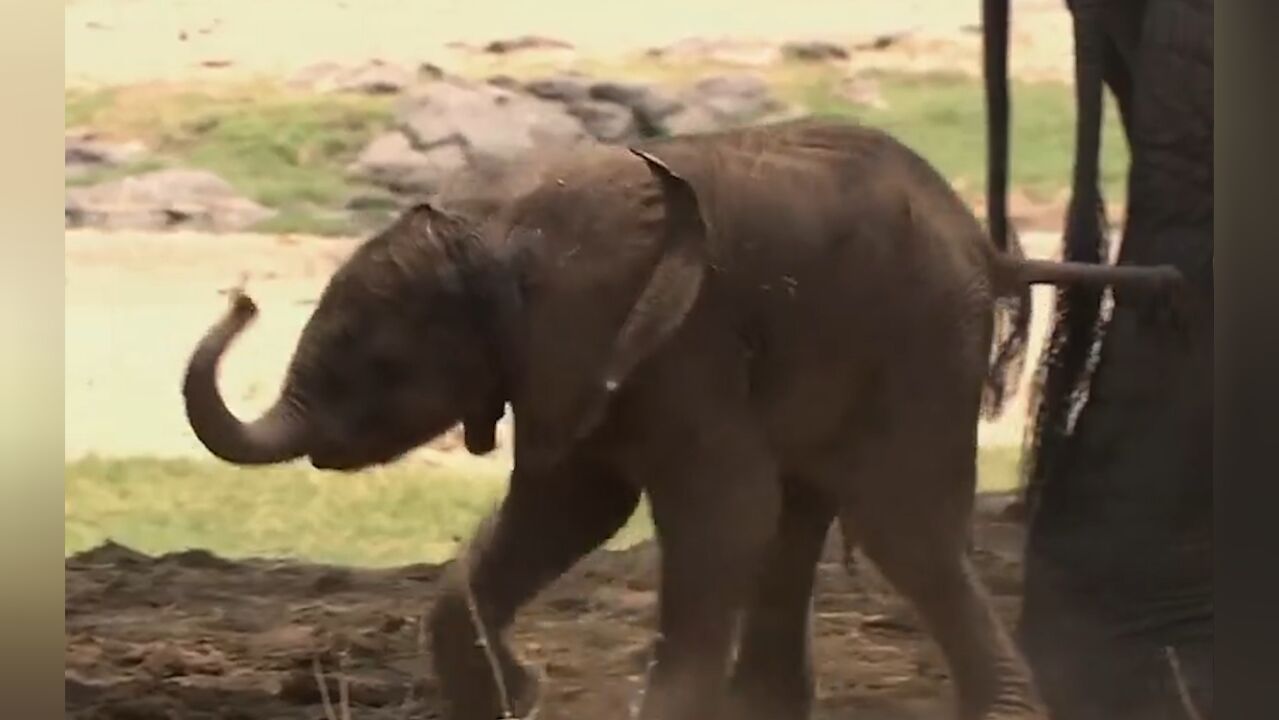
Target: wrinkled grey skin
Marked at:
761, 330
1123, 500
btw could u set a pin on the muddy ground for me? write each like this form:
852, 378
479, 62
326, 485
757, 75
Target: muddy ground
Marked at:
195, 636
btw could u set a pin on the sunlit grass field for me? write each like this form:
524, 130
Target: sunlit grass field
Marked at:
404, 513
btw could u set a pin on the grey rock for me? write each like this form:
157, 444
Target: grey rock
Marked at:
374, 77
649, 104
741, 52
568, 87
485, 120
813, 51
175, 198
605, 121
861, 90
734, 98
86, 149
430, 72
506, 82
692, 120
526, 42
392, 162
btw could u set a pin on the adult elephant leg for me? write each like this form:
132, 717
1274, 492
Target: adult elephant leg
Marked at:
715, 512
773, 679
1119, 556
545, 524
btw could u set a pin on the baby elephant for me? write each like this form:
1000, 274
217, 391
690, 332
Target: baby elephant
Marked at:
762, 330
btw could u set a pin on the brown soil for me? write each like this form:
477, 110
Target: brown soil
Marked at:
194, 636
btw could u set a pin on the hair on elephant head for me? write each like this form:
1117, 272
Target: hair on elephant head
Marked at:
428, 324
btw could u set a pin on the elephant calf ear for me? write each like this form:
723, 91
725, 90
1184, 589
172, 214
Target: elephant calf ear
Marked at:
671, 291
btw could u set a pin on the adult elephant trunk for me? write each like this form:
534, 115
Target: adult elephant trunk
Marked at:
1078, 309
273, 438
995, 72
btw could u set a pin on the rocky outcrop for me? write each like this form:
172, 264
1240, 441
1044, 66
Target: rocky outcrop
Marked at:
164, 199
447, 124
442, 124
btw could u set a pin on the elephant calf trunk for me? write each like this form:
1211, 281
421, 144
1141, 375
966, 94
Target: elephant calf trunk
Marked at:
273, 438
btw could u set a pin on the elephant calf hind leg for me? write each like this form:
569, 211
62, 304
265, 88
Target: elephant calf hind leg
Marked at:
714, 519
543, 527
913, 516
773, 679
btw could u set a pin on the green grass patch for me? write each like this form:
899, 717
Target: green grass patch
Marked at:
285, 149
288, 149
943, 118
107, 174
404, 513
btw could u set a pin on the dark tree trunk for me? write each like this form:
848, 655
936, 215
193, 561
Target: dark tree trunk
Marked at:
1119, 551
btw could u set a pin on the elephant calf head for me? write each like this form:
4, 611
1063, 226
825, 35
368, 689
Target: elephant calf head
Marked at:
444, 317
397, 351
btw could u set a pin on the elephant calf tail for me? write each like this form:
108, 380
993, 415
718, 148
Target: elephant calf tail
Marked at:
1011, 333
1014, 276
1018, 273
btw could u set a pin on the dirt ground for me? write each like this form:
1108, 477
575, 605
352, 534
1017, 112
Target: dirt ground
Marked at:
194, 636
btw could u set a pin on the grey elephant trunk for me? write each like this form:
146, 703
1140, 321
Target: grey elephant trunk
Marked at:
273, 438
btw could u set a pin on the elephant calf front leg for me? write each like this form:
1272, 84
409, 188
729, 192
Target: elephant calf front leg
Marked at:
544, 526
714, 518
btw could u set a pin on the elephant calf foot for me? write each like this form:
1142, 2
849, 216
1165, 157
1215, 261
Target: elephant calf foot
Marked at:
1019, 704
464, 666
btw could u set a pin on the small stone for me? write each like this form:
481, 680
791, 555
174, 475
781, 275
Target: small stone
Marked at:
864, 91
734, 98
391, 161
649, 104
813, 51
526, 42
86, 148
605, 121
486, 121
164, 199
692, 120
375, 78
568, 88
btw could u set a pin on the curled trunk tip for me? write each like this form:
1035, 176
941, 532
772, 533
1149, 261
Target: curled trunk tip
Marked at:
273, 438
243, 309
